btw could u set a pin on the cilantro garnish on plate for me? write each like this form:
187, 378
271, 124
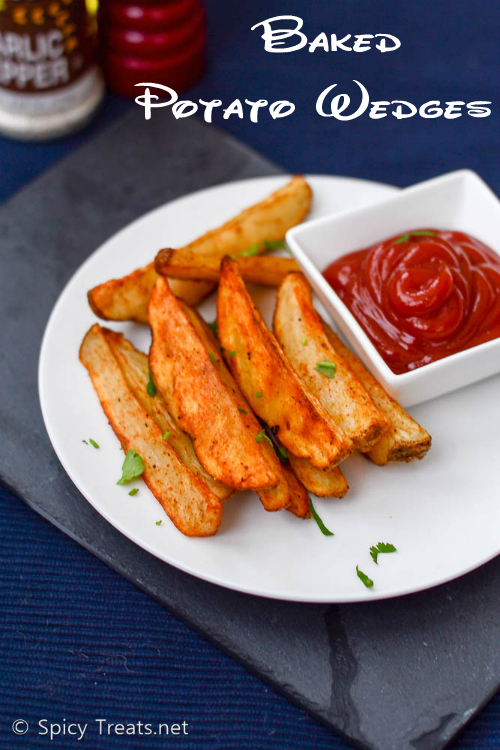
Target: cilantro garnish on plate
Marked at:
364, 578
318, 520
133, 467
381, 548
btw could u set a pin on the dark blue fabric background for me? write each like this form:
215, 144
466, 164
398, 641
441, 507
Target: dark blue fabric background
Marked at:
78, 641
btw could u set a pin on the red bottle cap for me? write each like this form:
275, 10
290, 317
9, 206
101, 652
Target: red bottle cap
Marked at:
160, 42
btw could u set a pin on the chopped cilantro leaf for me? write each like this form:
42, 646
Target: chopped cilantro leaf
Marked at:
231, 354
93, 443
254, 250
303, 341
273, 244
134, 491
133, 466
381, 548
212, 358
213, 326
318, 520
418, 233
151, 388
364, 578
262, 436
243, 411
386, 547
281, 452
158, 523
325, 367
258, 394
166, 435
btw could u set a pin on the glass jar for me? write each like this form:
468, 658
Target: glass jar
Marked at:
50, 84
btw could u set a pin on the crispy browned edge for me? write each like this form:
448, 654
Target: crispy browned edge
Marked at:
202, 395
321, 441
343, 396
172, 483
406, 440
185, 264
328, 482
299, 499
126, 354
128, 298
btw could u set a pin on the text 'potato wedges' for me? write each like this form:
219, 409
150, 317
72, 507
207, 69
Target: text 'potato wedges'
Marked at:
184, 264
202, 396
406, 440
299, 330
189, 503
269, 220
267, 379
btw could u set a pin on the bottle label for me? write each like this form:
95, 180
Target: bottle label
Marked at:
45, 45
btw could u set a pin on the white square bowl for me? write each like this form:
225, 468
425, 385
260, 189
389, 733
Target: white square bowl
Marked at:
458, 201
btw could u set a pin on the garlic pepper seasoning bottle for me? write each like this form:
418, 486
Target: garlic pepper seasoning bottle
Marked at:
49, 82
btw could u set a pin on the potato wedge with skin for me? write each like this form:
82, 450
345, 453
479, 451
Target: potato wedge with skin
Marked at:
184, 264
272, 498
299, 330
299, 503
128, 298
188, 502
328, 482
204, 399
135, 367
406, 440
269, 220
274, 391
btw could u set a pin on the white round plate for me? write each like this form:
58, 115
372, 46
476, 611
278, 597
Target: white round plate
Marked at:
441, 513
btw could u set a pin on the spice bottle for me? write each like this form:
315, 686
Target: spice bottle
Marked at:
49, 82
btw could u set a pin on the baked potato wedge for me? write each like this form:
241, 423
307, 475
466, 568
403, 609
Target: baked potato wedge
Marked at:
135, 367
267, 379
405, 440
272, 498
200, 393
329, 482
299, 499
126, 298
185, 264
299, 330
267, 221
188, 502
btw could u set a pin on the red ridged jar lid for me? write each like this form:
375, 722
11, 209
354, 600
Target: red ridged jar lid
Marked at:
154, 43
146, 16
159, 42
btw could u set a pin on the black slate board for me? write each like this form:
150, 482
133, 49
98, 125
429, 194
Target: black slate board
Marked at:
404, 674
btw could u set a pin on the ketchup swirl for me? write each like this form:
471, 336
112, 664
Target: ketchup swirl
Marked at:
422, 295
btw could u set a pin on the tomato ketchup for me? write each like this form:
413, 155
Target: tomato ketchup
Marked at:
421, 295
